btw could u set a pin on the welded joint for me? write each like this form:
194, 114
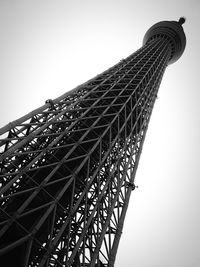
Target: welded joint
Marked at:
50, 101
131, 185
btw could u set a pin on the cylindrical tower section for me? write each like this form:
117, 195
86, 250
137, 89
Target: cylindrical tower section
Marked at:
171, 30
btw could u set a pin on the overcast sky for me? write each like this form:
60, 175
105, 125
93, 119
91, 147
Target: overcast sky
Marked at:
49, 47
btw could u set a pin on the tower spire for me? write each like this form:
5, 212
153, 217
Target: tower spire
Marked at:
182, 20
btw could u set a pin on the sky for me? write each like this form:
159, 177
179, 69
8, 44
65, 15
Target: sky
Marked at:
48, 47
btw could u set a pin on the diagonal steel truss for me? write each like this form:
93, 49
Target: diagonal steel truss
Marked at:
68, 168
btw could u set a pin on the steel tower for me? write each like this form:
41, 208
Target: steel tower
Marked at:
68, 167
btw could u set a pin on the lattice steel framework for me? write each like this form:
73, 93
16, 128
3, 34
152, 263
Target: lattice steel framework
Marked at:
68, 168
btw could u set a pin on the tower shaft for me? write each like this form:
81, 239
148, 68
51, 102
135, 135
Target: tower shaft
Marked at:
68, 168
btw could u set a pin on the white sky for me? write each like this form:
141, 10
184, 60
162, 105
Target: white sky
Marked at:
47, 47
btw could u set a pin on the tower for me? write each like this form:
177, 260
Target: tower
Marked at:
68, 168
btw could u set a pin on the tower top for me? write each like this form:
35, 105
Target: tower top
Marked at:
173, 31
182, 20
